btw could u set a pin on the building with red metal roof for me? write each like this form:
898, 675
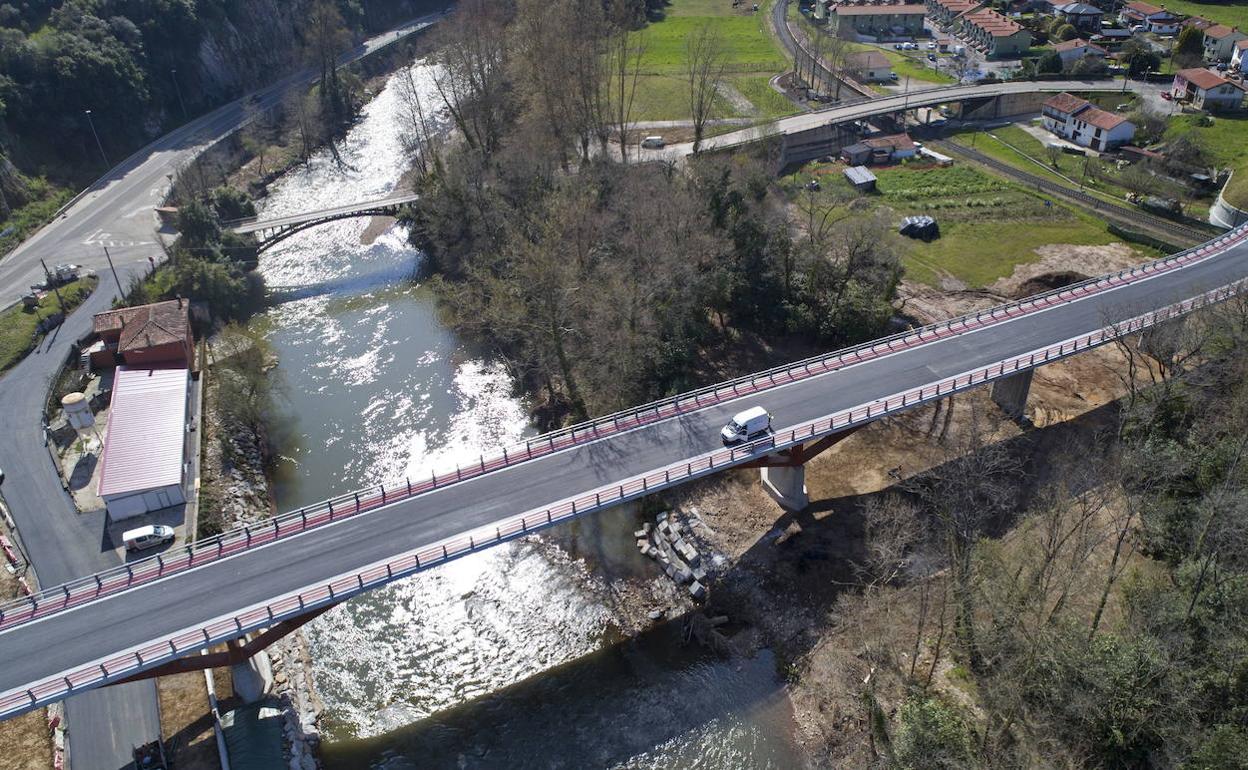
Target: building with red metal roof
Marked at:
144, 459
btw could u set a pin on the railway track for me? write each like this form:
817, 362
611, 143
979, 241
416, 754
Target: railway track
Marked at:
1186, 235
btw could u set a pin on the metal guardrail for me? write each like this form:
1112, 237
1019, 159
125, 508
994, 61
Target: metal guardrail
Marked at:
346, 586
78, 592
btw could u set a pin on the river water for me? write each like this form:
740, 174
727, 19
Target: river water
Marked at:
509, 657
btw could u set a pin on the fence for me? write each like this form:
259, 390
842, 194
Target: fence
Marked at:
68, 595
344, 587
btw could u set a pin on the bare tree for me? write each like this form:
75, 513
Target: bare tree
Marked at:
471, 77
704, 70
625, 49
419, 132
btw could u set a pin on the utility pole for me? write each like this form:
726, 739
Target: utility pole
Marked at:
98, 143
120, 291
52, 282
177, 87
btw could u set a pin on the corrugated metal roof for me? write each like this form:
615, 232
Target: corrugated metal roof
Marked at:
146, 429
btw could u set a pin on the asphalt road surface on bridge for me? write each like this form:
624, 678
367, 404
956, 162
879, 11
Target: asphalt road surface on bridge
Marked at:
68, 640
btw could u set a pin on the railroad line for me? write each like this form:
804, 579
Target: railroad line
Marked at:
1186, 235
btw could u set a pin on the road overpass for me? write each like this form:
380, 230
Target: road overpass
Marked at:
795, 128
114, 625
271, 231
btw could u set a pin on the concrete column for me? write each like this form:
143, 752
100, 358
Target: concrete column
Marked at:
1011, 393
253, 678
787, 486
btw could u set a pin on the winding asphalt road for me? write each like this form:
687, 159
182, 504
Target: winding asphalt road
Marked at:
61, 543
79, 637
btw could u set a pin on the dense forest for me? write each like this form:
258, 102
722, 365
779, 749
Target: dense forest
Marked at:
144, 66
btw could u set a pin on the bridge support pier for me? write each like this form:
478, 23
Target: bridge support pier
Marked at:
784, 473
1011, 393
253, 677
787, 486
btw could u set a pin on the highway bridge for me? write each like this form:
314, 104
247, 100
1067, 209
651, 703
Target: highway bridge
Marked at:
271, 231
144, 617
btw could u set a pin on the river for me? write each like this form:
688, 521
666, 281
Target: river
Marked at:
510, 657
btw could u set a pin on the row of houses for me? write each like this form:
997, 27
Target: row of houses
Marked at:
986, 30
880, 19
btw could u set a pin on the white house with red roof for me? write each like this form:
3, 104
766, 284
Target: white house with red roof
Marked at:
1079, 121
1207, 90
1077, 49
1237, 56
1153, 18
1220, 42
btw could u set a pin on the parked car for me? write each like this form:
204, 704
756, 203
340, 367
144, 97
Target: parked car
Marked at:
751, 423
898, 46
892, 76
1167, 95
931, 45
931, 57
147, 537
653, 143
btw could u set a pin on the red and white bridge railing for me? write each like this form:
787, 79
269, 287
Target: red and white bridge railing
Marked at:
343, 587
68, 595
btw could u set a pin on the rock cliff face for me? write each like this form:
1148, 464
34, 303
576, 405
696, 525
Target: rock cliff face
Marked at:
249, 44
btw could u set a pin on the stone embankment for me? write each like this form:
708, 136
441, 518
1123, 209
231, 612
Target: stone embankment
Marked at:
236, 484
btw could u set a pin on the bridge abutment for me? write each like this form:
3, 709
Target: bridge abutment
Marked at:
253, 677
1011, 393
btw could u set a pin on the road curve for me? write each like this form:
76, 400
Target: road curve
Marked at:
118, 210
44, 649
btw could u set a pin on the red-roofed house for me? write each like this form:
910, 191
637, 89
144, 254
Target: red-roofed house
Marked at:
879, 19
1220, 42
1237, 58
1153, 18
1207, 90
993, 34
1079, 121
159, 333
945, 11
143, 466
1074, 50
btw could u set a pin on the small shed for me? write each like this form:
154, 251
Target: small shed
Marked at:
861, 178
856, 154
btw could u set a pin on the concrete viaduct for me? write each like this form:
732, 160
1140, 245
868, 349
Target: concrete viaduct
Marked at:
152, 616
156, 615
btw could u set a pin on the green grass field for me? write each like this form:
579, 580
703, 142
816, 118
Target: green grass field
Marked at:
25, 220
751, 52
1231, 14
17, 324
913, 67
1227, 142
988, 225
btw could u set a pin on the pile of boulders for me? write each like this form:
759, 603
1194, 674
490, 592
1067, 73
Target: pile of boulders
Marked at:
666, 542
301, 705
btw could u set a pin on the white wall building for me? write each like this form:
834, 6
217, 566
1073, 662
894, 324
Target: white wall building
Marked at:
143, 464
1079, 121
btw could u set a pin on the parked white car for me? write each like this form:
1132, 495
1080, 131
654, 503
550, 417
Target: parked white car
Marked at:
147, 537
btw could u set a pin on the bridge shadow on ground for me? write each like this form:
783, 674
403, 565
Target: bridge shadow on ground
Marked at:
670, 694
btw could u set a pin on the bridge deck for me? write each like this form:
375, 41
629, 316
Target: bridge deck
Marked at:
255, 225
47, 648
